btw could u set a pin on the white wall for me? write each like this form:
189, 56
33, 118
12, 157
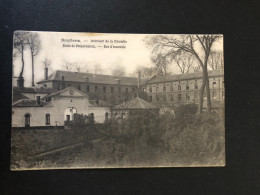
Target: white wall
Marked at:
56, 109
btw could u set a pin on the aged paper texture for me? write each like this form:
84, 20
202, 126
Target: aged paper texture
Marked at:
93, 100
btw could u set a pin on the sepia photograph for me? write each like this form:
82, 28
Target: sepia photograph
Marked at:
103, 100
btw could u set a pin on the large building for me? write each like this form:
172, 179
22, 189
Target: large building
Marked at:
56, 109
62, 94
111, 89
184, 88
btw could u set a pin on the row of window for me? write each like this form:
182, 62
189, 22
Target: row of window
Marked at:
27, 119
104, 88
179, 87
187, 97
187, 87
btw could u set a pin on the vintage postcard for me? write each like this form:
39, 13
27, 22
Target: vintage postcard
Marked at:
94, 100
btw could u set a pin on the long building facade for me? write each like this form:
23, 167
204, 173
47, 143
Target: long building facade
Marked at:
112, 89
184, 88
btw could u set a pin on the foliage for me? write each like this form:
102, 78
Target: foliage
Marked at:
141, 139
185, 109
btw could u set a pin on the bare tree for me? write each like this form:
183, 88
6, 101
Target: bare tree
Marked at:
46, 62
161, 63
146, 71
119, 71
19, 43
98, 69
67, 65
197, 68
77, 67
200, 46
216, 60
184, 61
33, 41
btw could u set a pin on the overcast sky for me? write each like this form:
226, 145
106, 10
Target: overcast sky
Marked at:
134, 54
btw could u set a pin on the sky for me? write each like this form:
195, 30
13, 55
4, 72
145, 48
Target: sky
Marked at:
128, 51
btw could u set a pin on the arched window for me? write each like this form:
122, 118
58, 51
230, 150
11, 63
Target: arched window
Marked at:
27, 119
48, 119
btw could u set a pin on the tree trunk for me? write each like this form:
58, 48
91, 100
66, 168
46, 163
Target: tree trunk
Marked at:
21, 73
208, 93
32, 70
201, 96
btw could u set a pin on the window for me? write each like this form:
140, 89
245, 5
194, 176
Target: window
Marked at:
62, 86
196, 85
79, 87
151, 90
214, 95
195, 95
151, 98
187, 86
179, 97
164, 88
157, 89
105, 98
179, 87
112, 89
171, 88
27, 119
87, 88
96, 88
172, 97
106, 116
133, 90
187, 97
157, 98
164, 97
48, 119
62, 78
104, 89
119, 89
214, 85
126, 90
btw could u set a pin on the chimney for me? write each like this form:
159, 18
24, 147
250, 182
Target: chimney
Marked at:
46, 73
20, 82
38, 100
139, 75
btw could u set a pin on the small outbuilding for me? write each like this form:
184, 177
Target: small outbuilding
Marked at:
132, 107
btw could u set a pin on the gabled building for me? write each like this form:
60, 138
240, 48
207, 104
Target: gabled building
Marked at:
56, 109
133, 106
111, 89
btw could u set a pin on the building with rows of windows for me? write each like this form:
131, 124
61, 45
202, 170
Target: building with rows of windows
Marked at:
184, 88
111, 89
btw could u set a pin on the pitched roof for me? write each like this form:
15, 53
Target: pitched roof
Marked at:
135, 103
61, 91
44, 90
92, 78
28, 103
100, 103
18, 96
177, 77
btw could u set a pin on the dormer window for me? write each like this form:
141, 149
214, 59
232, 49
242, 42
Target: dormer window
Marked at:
86, 79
